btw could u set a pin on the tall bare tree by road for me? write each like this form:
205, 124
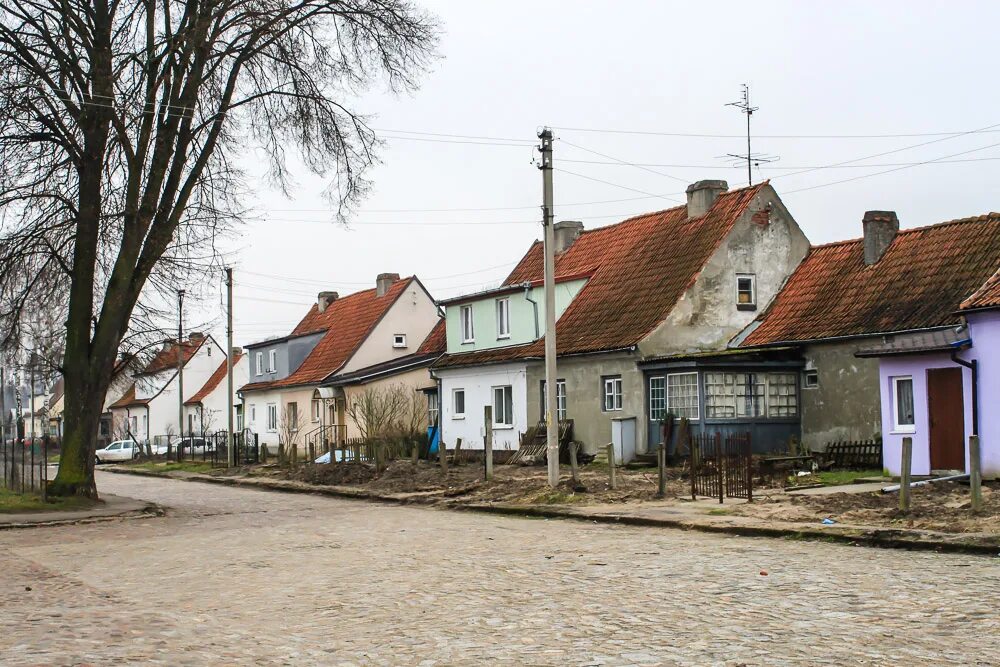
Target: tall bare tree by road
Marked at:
120, 121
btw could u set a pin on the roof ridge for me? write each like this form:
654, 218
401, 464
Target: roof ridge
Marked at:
984, 217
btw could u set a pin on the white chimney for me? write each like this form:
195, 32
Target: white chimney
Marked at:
701, 196
383, 282
565, 233
324, 299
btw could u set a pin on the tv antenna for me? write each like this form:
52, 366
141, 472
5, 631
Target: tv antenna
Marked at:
752, 159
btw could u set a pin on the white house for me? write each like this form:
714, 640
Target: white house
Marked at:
149, 408
207, 410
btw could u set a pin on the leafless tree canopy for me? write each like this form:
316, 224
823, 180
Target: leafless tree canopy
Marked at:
120, 124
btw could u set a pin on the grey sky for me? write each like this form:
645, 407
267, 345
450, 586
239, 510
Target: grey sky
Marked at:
846, 68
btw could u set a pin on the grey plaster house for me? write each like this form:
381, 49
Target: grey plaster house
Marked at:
647, 303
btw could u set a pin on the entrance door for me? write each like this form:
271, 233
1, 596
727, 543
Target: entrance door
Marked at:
946, 411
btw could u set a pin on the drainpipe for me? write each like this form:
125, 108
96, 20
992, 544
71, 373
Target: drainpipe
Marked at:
974, 367
534, 304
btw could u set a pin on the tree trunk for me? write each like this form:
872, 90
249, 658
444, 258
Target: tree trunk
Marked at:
82, 419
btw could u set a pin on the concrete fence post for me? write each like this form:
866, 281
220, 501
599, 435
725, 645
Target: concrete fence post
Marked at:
905, 467
488, 442
975, 473
611, 465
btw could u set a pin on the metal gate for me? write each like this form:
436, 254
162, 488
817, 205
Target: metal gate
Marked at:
721, 466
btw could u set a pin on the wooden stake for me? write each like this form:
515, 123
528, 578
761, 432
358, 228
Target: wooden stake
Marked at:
611, 465
574, 467
443, 456
458, 449
906, 464
488, 442
661, 464
975, 474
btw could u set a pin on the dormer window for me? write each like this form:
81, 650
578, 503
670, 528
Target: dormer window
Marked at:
260, 363
468, 331
399, 340
503, 318
272, 361
746, 291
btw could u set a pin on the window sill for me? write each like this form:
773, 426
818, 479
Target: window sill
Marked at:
507, 337
469, 342
900, 430
746, 306
458, 418
503, 427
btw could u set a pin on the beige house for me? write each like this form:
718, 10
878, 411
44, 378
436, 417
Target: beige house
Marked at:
289, 398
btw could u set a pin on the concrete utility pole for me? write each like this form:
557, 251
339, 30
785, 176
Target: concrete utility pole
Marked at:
180, 371
31, 393
548, 219
230, 438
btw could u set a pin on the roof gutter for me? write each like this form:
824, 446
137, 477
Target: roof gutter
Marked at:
829, 339
973, 366
534, 305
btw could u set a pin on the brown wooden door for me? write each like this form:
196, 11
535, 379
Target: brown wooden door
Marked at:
946, 410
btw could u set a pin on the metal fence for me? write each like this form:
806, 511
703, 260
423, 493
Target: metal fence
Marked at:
24, 465
722, 465
210, 448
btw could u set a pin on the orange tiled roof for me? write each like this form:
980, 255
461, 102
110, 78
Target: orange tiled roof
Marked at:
639, 269
213, 381
435, 343
166, 357
347, 322
128, 399
987, 296
919, 282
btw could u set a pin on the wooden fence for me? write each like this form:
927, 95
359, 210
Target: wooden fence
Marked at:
857, 455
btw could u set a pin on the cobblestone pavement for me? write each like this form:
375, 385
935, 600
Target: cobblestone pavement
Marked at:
238, 576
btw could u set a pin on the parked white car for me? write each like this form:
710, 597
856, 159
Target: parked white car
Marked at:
119, 450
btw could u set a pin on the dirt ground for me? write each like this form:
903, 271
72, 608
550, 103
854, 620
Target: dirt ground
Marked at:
941, 507
511, 483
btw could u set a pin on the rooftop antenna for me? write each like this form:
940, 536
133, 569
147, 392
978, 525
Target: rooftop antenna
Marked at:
752, 159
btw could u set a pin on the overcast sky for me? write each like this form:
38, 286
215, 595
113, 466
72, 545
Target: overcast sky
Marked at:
507, 68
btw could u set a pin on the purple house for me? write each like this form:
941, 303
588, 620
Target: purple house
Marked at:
937, 387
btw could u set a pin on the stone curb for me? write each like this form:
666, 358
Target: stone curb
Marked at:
133, 509
887, 538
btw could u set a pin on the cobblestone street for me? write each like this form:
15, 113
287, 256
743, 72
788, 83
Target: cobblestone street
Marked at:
236, 576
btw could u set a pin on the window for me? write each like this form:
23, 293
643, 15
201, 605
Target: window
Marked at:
292, 413
458, 404
810, 379
399, 340
560, 400
682, 395
272, 361
317, 408
503, 318
468, 331
781, 398
746, 292
503, 406
657, 398
612, 393
239, 417
145, 426
272, 417
743, 395
902, 402
260, 363
432, 408
134, 425
253, 414
208, 350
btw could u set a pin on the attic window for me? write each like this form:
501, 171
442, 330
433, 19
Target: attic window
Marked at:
810, 379
399, 340
746, 291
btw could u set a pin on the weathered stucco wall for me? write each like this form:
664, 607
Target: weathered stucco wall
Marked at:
585, 396
413, 314
845, 405
478, 382
768, 245
413, 381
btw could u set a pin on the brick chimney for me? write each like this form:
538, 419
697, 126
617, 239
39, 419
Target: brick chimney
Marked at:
236, 351
880, 229
196, 336
384, 282
324, 299
565, 233
702, 195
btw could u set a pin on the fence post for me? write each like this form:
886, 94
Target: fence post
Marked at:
488, 442
694, 467
719, 463
458, 449
611, 465
906, 464
574, 467
661, 465
975, 474
443, 456
415, 451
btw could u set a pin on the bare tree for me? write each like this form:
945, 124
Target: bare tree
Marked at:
120, 124
375, 411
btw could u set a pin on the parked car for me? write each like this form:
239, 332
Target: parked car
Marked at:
119, 450
194, 445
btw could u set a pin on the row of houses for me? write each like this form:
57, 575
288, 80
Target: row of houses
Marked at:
719, 310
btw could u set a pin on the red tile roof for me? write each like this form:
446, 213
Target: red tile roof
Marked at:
166, 357
436, 341
347, 322
213, 381
918, 283
640, 268
987, 296
128, 400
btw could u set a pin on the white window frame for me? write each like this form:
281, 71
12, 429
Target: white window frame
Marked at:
399, 341
654, 401
612, 401
253, 414
561, 411
259, 358
896, 426
752, 277
272, 361
468, 325
697, 395
506, 406
806, 375
433, 409
238, 411
503, 318
455, 414
316, 409
272, 417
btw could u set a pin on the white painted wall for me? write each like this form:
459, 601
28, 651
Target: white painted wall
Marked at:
478, 383
213, 406
255, 415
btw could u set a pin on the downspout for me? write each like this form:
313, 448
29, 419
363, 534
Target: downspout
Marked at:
974, 367
534, 304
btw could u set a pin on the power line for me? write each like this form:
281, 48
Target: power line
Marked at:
623, 162
530, 142
623, 187
789, 168
772, 136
